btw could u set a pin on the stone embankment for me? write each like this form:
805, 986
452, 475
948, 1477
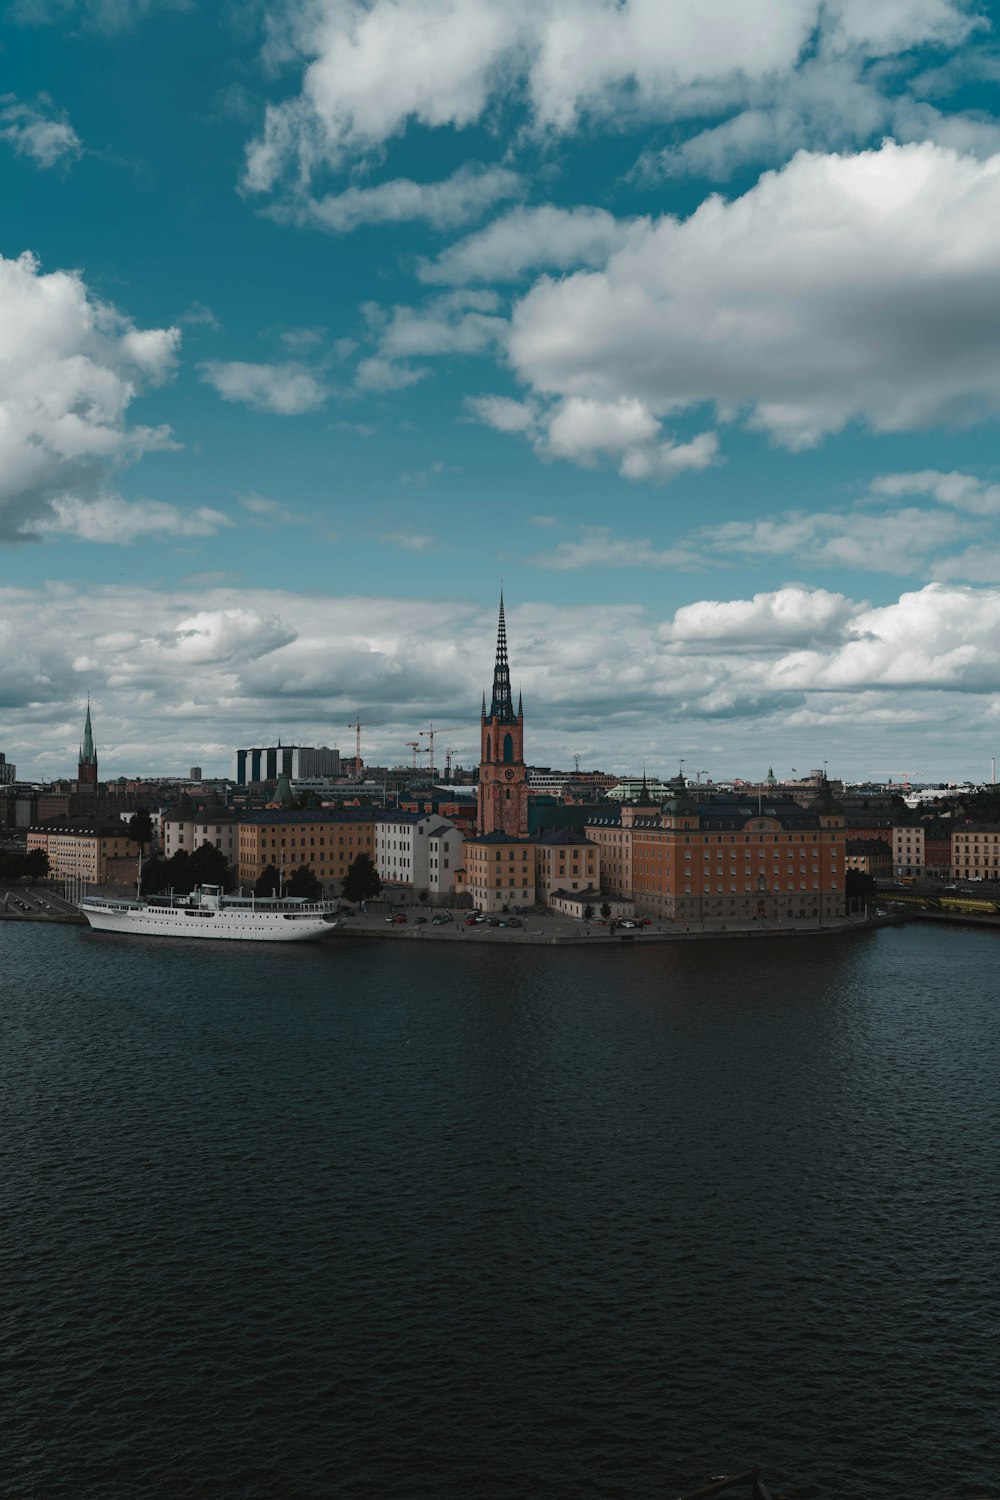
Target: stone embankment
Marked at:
541, 929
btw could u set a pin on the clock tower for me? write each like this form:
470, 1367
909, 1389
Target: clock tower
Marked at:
503, 776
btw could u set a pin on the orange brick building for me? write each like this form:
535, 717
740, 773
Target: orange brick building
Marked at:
727, 860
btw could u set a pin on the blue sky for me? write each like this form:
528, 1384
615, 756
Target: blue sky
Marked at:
319, 317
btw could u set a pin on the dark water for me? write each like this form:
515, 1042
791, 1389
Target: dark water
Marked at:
406, 1221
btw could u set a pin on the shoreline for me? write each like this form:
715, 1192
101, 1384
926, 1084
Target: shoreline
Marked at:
541, 931
556, 932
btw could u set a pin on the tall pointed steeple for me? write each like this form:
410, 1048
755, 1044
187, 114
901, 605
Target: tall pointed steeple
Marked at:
88, 755
86, 771
502, 707
503, 775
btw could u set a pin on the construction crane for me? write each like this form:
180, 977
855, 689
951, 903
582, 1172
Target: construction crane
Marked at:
697, 777
447, 761
429, 734
905, 777
357, 725
413, 745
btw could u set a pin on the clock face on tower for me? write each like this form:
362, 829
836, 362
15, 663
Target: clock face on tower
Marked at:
509, 775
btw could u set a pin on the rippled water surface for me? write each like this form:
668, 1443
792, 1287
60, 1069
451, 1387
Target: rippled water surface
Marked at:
400, 1220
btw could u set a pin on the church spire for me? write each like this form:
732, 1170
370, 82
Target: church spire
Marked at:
88, 755
502, 707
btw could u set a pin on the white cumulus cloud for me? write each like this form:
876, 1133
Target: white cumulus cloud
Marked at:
530, 239
288, 389
784, 677
371, 68
459, 199
70, 367
112, 519
840, 288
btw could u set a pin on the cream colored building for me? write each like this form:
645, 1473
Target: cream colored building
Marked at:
574, 904
975, 852
499, 871
187, 827
95, 853
908, 850
615, 844
567, 862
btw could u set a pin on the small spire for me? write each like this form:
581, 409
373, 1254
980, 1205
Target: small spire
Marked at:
484, 703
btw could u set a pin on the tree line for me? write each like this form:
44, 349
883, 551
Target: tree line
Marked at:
15, 864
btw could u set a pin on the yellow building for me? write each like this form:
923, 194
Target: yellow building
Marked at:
499, 871
566, 862
79, 849
325, 840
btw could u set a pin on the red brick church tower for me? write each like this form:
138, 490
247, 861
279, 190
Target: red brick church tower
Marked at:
503, 776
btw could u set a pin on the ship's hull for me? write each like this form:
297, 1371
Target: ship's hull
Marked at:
241, 926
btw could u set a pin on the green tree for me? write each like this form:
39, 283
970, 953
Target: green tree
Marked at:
422, 896
178, 873
141, 829
209, 866
859, 888
267, 881
155, 877
588, 912
304, 882
605, 910
362, 882
36, 865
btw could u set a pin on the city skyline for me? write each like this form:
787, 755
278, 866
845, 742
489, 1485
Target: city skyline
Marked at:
316, 320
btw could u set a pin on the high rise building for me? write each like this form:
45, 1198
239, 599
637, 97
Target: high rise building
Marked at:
299, 762
8, 773
86, 773
503, 775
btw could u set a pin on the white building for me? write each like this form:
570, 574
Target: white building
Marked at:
188, 828
403, 853
445, 855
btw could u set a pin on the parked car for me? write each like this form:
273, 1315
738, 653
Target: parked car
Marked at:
441, 919
514, 922
471, 921
420, 921
399, 916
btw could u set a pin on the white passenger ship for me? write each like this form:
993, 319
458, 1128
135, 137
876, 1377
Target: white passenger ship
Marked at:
208, 913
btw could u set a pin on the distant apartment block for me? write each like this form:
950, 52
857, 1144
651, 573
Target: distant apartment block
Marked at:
298, 762
8, 773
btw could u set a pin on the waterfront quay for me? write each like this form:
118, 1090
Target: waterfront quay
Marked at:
547, 928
